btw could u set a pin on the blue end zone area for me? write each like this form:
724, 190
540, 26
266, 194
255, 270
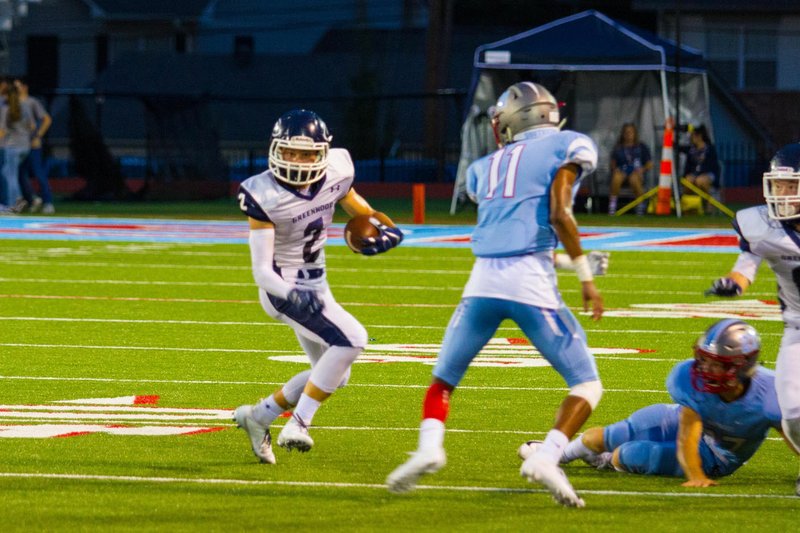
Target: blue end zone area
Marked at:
210, 232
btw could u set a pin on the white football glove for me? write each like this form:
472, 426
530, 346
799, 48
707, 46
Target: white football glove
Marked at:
598, 262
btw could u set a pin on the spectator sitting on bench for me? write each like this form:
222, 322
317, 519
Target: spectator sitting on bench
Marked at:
702, 165
629, 161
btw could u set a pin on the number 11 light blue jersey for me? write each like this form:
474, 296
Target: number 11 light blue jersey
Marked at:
512, 189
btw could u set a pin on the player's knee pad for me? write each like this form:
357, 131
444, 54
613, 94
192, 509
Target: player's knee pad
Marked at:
333, 366
791, 428
616, 434
591, 391
637, 457
358, 337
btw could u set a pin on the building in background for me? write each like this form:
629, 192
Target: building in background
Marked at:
753, 52
165, 82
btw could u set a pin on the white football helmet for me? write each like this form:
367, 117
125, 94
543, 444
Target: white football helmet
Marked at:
782, 184
523, 106
299, 129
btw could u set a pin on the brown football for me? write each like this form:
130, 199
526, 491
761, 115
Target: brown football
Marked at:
360, 227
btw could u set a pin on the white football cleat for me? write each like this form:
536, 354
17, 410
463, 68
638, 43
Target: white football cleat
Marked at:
294, 435
404, 478
538, 469
526, 449
260, 438
601, 461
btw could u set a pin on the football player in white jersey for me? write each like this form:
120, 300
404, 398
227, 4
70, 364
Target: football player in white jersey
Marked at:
524, 193
772, 232
289, 208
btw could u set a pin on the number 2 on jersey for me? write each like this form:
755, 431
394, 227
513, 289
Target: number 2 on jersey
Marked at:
314, 229
511, 171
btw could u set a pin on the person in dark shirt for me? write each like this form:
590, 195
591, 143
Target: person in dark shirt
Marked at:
629, 162
702, 165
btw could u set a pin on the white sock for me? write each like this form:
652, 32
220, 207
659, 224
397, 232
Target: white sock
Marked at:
431, 434
306, 408
554, 445
267, 410
576, 450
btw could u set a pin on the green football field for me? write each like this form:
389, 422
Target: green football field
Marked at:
89, 326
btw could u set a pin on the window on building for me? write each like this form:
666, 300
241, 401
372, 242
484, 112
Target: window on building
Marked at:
181, 42
745, 57
100, 52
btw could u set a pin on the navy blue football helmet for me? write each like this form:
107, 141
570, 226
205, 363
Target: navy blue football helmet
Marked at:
782, 184
299, 129
726, 354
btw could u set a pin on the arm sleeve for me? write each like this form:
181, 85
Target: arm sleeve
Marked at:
262, 244
747, 265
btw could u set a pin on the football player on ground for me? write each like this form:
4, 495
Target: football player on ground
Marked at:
524, 193
725, 405
289, 208
772, 232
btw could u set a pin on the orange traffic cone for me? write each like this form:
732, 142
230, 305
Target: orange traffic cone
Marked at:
665, 176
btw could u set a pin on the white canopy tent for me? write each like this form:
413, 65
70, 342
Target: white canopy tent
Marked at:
605, 72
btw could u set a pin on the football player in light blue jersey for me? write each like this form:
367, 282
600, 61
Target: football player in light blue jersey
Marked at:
771, 233
524, 192
725, 404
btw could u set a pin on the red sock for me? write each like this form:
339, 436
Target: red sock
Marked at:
437, 401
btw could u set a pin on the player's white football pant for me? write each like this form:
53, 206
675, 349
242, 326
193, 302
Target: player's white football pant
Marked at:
538, 469
260, 438
404, 478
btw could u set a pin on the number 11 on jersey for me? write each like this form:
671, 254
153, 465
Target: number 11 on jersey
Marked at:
510, 181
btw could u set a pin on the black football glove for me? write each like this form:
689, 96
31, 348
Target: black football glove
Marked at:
724, 287
385, 241
304, 301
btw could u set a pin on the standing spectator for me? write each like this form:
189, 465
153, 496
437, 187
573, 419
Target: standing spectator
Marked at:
702, 165
16, 125
4, 201
34, 164
629, 162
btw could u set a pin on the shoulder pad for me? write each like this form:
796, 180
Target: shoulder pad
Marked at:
753, 223
340, 159
261, 194
581, 150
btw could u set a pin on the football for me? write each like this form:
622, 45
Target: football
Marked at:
362, 227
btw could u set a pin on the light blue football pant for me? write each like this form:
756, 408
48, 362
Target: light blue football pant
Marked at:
554, 332
647, 442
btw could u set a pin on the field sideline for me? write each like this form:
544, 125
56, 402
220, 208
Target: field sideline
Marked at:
122, 360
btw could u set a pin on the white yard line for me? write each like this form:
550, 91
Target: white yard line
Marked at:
426, 288
271, 323
413, 272
373, 486
276, 383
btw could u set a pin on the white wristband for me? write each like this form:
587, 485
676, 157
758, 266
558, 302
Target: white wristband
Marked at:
582, 268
